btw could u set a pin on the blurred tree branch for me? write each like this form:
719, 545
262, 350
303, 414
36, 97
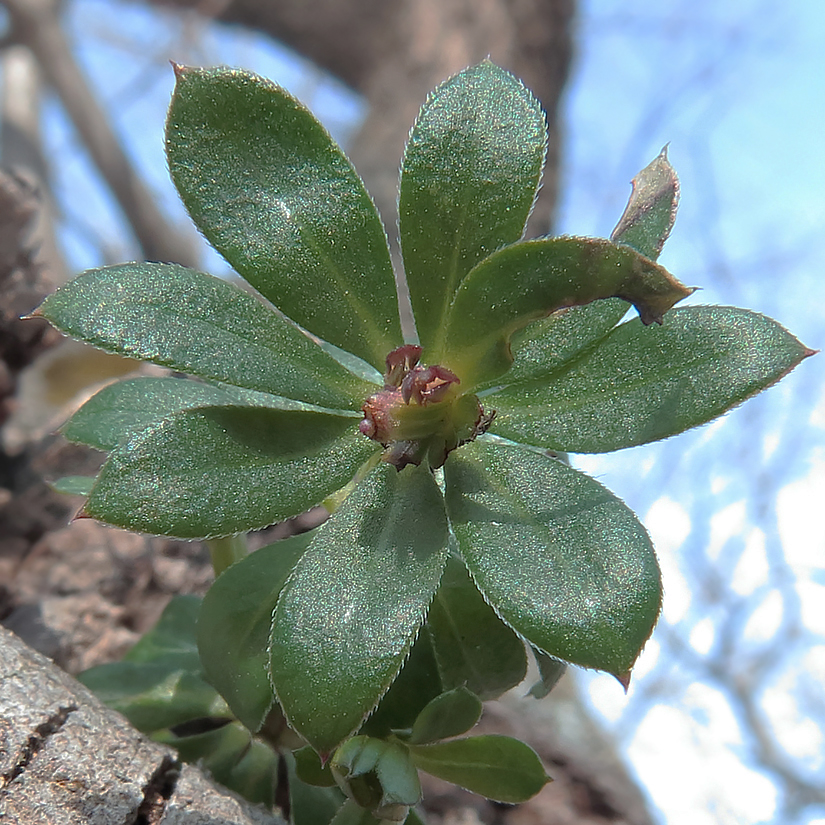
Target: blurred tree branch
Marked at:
36, 24
22, 154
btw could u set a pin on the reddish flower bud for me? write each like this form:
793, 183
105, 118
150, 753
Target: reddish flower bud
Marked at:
419, 415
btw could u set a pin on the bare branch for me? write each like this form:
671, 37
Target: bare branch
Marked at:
36, 24
22, 152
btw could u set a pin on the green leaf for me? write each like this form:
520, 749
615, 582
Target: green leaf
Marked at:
417, 683
640, 385
309, 769
496, 767
351, 813
350, 611
311, 803
563, 561
473, 647
219, 749
173, 639
450, 714
222, 470
529, 280
468, 182
545, 346
123, 409
73, 485
377, 774
651, 211
550, 671
233, 758
160, 690
194, 323
278, 199
153, 695
255, 775
234, 625
159, 683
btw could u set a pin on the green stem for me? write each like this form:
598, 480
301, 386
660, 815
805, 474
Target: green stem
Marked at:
226, 551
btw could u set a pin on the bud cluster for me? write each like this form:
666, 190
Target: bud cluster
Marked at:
420, 414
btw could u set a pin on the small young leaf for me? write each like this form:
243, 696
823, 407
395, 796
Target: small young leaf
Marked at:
529, 280
215, 471
73, 485
351, 609
496, 767
450, 714
280, 201
234, 625
201, 325
468, 182
562, 560
651, 211
473, 647
640, 385
550, 670
377, 774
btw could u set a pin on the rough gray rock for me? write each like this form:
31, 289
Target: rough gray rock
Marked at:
66, 759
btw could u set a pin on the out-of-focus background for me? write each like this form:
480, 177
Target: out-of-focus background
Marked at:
725, 719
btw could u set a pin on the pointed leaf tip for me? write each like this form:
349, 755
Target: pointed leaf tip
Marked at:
178, 69
650, 213
623, 679
642, 384
650, 314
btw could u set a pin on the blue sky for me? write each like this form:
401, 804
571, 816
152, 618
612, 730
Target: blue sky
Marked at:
737, 90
